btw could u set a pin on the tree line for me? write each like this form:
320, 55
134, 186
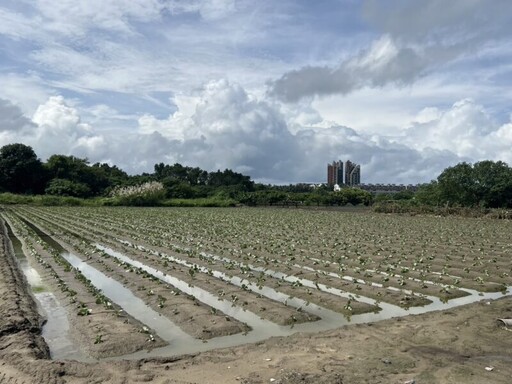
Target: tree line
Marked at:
21, 172
484, 184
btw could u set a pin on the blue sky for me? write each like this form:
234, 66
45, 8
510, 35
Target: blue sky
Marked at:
272, 89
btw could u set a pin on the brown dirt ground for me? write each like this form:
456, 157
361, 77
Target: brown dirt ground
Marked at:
452, 346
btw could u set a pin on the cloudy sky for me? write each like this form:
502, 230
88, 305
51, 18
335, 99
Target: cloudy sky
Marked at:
274, 89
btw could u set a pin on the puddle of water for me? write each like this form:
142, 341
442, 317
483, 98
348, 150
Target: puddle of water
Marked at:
260, 329
180, 343
56, 328
438, 304
120, 295
130, 303
200, 294
265, 291
32, 276
329, 319
388, 310
391, 310
269, 292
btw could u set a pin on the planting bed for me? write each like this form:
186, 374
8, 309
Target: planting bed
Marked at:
150, 282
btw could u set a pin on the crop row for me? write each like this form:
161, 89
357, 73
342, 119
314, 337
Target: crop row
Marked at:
358, 270
100, 326
201, 274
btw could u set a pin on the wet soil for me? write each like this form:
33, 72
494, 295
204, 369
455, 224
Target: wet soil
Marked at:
459, 345
452, 346
265, 308
100, 331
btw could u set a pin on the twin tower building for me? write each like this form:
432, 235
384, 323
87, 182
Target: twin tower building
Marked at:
348, 174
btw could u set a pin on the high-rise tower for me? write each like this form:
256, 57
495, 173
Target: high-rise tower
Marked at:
352, 173
335, 173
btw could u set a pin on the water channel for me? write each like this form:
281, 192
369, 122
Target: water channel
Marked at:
180, 342
329, 319
56, 327
388, 310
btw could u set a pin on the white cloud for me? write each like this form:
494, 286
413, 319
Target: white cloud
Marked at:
75, 18
225, 127
427, 114
26, 90
61, 131
412, 41
172, 128
231, 129
466, 129
142, 82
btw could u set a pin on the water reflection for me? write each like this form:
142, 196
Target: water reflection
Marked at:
56, 327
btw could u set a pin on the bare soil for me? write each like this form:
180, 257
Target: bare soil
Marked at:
454, 346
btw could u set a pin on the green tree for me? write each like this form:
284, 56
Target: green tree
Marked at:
485, 184
493, 184
115, 175
20, 170
405, 194
428, 194
228, 177
64, 187
357, 196
457, 185
178, 189
78, 171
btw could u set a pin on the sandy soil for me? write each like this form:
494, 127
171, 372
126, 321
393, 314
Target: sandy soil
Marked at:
454, 346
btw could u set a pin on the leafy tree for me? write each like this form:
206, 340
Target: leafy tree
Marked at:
65, 187
178, 189
406, 194
228, 177
180, 173
319, 197
115, 175
356, 196
338, 198
20, 170
196, 176
65, 167
78, 171
493, 184
486, 184
457, 185
428, 194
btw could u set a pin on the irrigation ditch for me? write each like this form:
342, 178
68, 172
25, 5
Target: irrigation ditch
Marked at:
121, 284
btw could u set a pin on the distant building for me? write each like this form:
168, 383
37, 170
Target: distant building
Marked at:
340, 174
352, 173
335, 173
389, 188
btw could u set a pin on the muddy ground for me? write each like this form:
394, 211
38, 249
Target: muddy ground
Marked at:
454, 346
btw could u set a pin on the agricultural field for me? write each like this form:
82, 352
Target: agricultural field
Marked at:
138, 283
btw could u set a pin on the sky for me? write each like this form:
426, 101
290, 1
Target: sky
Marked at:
274, 89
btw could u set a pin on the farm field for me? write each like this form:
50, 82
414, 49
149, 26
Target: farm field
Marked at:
139, 283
